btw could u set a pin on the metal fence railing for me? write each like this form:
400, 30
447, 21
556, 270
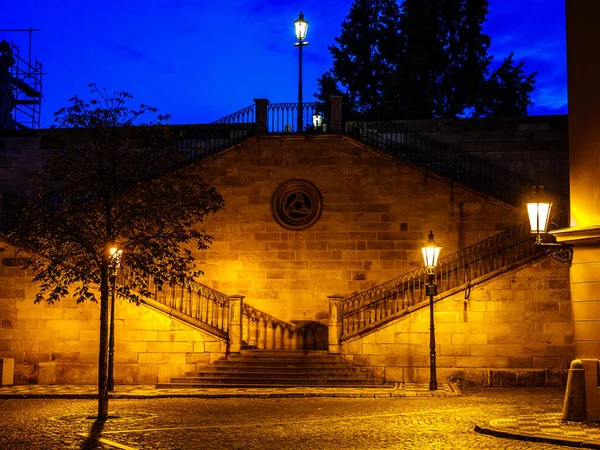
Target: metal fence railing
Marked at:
283, 117
371, 308
444, 160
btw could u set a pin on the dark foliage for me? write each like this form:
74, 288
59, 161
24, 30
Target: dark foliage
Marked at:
425, 59
108, 185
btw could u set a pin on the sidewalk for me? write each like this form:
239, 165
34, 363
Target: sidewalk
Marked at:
544, 428
541, 427
150, 391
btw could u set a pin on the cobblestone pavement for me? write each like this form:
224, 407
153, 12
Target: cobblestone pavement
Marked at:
149, 391
275, 423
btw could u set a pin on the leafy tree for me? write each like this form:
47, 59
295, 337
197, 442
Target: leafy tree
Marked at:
507, 91
427, 59
362, 56
105, 185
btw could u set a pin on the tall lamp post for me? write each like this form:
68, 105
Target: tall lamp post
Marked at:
431, 253
300, 28
115, 263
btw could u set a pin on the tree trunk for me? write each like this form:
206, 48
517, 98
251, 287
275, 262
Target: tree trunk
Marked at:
103, 351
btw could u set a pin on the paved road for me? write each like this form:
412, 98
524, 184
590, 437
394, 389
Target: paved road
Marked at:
286, 423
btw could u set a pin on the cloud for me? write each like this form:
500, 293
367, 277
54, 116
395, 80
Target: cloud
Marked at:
129, 53
263, 8
317, 58
165, 67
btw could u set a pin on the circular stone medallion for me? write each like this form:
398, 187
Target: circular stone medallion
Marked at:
296, 204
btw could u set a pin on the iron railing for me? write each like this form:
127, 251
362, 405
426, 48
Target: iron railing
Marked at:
263, 331
454, 164
195, 300
367, 310
212, 308
199, 141
283, 117
192, 143
244, 115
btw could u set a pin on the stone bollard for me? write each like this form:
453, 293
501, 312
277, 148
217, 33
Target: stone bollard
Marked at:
7, 371
335, 324
574, 408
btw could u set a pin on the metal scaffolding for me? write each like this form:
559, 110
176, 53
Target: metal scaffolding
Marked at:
20, 87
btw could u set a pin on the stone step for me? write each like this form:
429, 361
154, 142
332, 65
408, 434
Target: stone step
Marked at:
272, 375
281, 368
273, 368
241, 385
291, 362
270, 382
281, 358
283, 353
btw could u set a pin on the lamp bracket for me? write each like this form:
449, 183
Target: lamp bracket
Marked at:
561, 252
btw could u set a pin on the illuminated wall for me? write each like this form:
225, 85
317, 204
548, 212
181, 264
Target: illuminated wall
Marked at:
513, 330
375, 216
58, 344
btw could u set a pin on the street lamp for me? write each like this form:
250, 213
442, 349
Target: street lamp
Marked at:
317, 120
115, 263
300, 28
538, 210
431, 253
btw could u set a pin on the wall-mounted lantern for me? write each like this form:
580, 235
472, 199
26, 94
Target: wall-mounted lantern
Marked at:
539, 210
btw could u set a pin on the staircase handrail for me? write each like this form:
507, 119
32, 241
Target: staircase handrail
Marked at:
244, 115
449, 162
364, 311
264, 331
195, 300
257, 315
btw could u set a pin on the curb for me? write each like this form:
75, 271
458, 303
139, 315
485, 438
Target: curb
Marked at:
399, 390
217, 395
532, 437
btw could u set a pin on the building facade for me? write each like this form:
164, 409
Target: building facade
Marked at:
318, 221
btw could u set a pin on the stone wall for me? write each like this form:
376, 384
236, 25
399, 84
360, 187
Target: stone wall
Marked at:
534, 147
59, 343
515, 329
19, 156
376, 214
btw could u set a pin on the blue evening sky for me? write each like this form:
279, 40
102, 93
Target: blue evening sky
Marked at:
200, 60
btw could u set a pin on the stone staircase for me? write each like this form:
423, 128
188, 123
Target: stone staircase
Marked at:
278, 368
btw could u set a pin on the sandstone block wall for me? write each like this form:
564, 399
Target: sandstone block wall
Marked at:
534, 147
376, 214
58, 344
514, 329
19, 156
